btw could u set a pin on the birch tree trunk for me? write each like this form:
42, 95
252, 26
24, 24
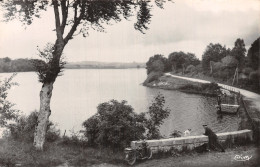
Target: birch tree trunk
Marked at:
43, 117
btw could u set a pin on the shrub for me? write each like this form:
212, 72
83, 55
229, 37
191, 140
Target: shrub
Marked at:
190, 68
75, 139
226, 73
92, 129
217, 66
199, 68
7, 113
114, 125
24, 129
229, 61
157, 114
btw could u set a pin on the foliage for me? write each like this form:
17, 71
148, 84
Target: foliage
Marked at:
74, 140
218, 62
152, 76
210, 88
213, 52
89, 14
115, 125
190, 68
157, 63
157, 113
176, 133
229, 61
217, 66
239, 51
48, 68
178, 60
26, 12
6, 111
253, 54
23, 129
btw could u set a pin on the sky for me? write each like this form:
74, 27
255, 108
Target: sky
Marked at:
185, 25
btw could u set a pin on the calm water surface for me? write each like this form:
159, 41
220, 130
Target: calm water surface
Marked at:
78, 92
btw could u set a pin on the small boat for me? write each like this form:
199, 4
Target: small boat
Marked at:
228, 108
227, 102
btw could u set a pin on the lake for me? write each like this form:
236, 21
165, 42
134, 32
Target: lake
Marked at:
78, 92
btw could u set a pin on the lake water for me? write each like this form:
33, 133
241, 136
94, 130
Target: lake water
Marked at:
78, 92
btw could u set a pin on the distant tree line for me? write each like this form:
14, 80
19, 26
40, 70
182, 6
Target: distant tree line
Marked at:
17, 65
218, 62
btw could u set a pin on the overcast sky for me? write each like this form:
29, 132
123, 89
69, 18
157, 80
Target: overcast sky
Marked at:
186, 25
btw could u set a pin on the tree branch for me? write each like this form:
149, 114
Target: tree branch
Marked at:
76, 21
64, 10
57, 20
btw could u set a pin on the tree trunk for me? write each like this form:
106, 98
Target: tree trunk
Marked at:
43, 117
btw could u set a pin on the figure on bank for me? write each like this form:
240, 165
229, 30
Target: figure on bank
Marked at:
213, 139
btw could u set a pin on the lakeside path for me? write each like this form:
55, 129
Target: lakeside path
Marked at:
253, 97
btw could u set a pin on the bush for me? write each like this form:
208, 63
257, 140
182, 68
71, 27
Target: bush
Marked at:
114, 125
75, 140
229, 61
157, 114
24, 128
217, 66
199, 68
7, 113
190, 68
226, 73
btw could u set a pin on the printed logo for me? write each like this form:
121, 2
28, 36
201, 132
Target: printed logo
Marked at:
242, 158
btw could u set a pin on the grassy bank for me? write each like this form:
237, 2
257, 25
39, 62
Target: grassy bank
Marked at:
17, 153
216, 159
14, 153
171, 83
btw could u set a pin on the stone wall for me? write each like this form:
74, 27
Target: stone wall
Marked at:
190, 142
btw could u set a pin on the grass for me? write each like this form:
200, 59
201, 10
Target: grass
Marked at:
13, 153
